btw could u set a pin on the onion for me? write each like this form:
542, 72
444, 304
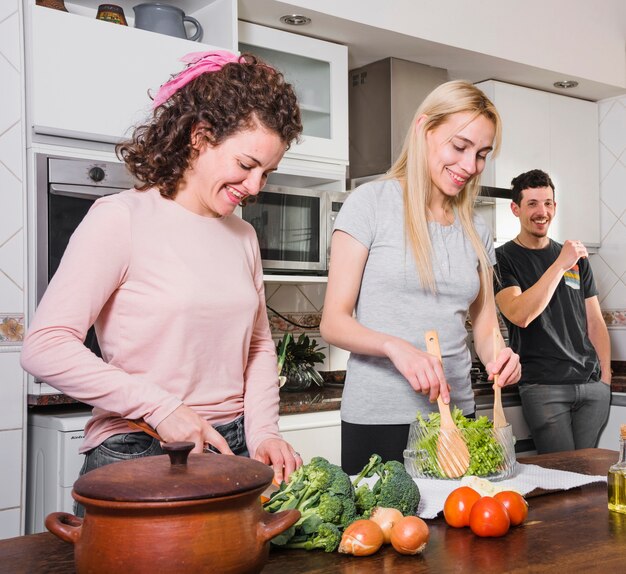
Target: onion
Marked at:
386, 518
409, 535
362, 538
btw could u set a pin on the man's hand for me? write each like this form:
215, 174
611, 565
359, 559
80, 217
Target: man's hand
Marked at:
571, 252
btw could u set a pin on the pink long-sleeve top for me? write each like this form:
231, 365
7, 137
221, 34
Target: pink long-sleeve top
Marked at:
179, 309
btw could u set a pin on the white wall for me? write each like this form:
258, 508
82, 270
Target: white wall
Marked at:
609, 265
12, 255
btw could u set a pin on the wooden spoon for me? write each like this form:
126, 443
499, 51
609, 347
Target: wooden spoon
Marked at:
142, 425
452, 453
499, 420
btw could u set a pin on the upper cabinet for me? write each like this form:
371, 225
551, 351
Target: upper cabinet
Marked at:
89, 79
319, 72
559, 135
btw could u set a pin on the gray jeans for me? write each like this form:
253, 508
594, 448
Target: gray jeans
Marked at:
128, 446
565, 417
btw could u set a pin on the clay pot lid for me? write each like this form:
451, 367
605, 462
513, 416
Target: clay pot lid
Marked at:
175, 476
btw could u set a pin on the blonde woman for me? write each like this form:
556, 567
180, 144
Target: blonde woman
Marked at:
408, 256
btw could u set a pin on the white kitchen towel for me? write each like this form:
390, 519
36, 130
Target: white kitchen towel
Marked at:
527, 477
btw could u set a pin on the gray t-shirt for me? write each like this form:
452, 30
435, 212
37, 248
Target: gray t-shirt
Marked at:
391, 300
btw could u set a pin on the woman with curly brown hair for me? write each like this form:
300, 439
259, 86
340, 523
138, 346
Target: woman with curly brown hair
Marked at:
173, 280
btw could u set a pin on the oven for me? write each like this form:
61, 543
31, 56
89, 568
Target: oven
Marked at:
65, 189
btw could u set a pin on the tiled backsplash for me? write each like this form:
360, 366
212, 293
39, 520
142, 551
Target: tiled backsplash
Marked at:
11, 329
302, 304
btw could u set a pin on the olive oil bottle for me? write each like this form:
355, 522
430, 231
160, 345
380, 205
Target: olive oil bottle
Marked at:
617, 477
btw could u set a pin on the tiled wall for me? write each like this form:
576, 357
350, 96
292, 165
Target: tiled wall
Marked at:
302, 304
12, 302
11, 171
609, 264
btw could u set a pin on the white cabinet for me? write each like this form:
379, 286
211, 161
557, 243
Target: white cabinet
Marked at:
89, 79
319, 72
314, 434
559, 135
54, 464
12, 439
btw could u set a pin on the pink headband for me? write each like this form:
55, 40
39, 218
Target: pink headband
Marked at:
197, 64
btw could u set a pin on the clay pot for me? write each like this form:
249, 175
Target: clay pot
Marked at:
177, 513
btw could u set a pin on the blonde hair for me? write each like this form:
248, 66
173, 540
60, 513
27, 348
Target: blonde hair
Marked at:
412, 171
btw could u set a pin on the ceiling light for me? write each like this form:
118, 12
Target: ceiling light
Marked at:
565, 84
295, 20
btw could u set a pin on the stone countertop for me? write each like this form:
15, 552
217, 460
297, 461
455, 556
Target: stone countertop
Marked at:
328, 397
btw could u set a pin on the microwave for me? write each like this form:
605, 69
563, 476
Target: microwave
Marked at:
294, 227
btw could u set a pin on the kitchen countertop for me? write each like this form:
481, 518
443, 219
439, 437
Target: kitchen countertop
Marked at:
328, 398
565, 531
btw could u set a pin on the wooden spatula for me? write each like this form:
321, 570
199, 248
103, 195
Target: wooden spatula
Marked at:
499, 420
452, 453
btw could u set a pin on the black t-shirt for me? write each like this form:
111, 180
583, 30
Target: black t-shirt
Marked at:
554, 348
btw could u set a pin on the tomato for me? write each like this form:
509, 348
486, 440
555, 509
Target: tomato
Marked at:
516, 506
489, 517
456, 509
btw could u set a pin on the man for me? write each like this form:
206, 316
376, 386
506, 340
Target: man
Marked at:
548, 297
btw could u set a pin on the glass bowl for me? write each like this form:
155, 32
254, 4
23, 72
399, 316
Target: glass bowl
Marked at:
492, 452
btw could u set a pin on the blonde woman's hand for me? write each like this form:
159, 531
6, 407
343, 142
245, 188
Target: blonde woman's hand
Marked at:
184, 424
280, 455
423, 371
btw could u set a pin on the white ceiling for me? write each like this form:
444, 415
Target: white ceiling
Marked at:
368, 43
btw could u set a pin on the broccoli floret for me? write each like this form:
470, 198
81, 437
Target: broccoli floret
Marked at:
319, 476
329, 509
327, 538
396, 488
340, 484
369, 469
365, 500
349, 513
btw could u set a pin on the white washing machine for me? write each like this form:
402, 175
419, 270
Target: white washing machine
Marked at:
53, 464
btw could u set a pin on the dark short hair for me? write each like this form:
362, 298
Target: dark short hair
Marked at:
529, 180
221, 104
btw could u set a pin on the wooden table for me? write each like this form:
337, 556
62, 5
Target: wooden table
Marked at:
570, 531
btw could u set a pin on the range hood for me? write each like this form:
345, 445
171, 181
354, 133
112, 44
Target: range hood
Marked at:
382, 99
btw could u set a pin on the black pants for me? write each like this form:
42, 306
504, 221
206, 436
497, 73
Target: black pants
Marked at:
360, 442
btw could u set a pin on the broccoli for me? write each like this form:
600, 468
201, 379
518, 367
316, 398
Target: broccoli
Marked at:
349, 513
365, 500
326, 537
329, 509
289, 494
369, 469
340, 484
324, 495
394, 488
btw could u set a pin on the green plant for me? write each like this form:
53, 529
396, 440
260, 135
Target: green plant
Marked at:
297, 357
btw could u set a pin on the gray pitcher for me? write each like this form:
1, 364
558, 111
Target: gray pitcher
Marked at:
165, 19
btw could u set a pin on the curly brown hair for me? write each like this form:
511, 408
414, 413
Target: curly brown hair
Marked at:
218, 105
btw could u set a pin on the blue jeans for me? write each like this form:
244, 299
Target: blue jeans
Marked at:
565, 417
128, 446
